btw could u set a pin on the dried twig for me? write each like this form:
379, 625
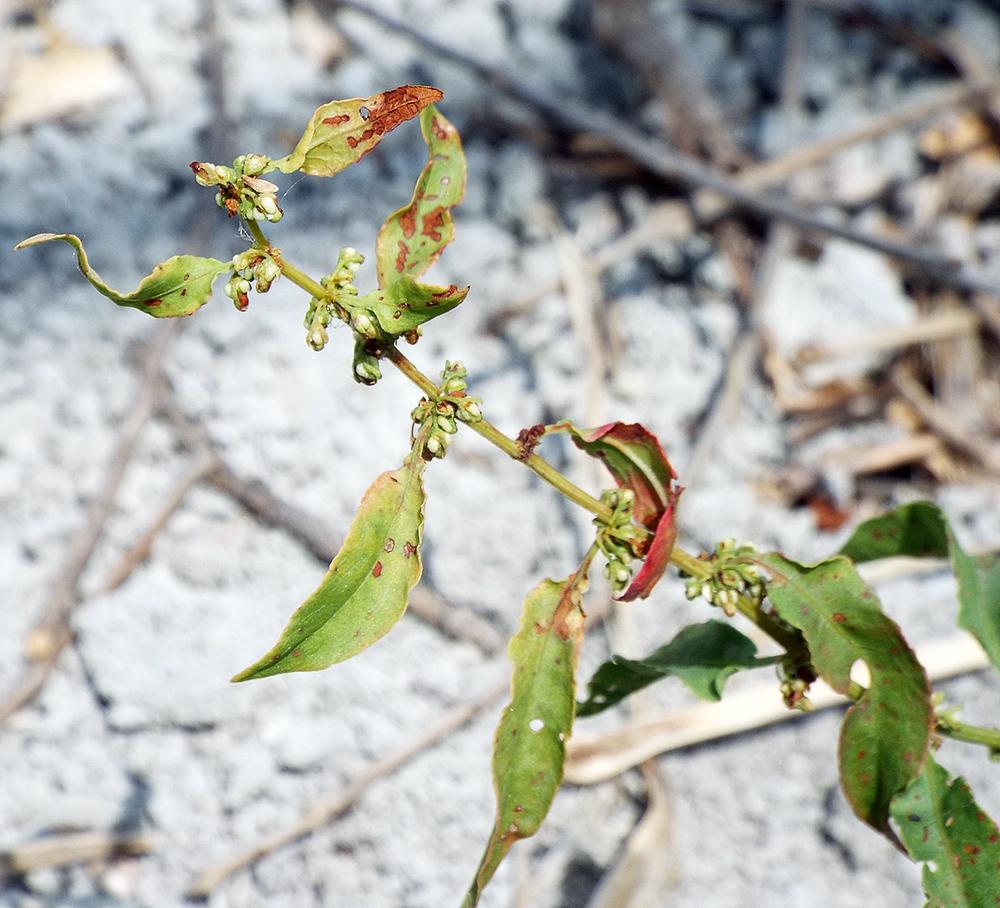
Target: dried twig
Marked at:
72, 848
329, 808
598, 758
670, 165
52, 633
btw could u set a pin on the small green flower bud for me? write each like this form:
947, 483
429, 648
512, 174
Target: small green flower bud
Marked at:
254, 164
317, 339
469, 411
363, 324
435, 446
366, 370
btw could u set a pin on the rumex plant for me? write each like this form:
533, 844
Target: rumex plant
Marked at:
823, 616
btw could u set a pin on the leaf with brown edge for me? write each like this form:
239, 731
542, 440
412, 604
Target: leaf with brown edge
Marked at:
343, 132
365, 591
636, 460
656, 559
941, 825
177, 287
885, 735
530, 744
412, 238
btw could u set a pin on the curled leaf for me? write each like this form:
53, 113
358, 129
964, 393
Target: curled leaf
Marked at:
530, 744
636, 460
177, 287
412, 238
343, 132
941, 825
921, 530
366, 589
886, 733
658, 556
702, 656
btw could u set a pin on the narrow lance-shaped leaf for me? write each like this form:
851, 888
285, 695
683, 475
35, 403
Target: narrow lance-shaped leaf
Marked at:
702, 656
412, 238
941, 825
343, 132
921, 530
366, 589
530, 744
177, 287
885, 735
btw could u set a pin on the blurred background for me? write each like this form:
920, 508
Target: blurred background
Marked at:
769, 231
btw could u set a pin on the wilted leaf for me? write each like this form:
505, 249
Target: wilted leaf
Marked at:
636, 460
530, 744
177, 287
657, 558
885, 735
366, 589
412, 238
941, 825
702, 656
343, 132
921, 530
406, 304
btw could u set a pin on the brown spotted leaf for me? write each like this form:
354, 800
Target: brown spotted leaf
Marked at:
412, 238
941, 825
343, 132
530, 745
177, 287
885, 735
366, 589
406, 304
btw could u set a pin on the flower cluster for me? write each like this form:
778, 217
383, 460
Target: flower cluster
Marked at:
611, 537
440, 418
339, 284
732, 574
242, 190
251, 268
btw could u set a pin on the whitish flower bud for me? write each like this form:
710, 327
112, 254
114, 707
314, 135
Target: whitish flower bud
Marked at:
367, 371
435, 446
469, 411
363, 324
254, 164
317, 339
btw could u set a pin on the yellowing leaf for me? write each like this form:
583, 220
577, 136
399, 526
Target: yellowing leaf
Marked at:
343, 132
177, 287
412, 238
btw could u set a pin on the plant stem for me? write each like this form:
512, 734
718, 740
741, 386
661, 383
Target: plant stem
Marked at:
973, 734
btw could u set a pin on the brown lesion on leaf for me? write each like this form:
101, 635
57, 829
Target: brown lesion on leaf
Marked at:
390, 108
433, 224
408, 221
390, 544
337, 120
377, 570
440, 131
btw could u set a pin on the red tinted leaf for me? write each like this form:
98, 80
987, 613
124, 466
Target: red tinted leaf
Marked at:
658, 556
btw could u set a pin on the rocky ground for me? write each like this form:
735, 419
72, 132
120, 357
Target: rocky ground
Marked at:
694, 327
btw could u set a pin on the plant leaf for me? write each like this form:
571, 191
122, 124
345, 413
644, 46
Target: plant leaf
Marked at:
343, 132
406, 304
885, 735
657, 558
702, 656
921, 530
366, 589
530, 744
941, 825
177, 287
412, 238
636, 461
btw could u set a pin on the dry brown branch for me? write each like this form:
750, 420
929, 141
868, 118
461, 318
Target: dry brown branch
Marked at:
941, 421
328, 809
601, 757
673, 166
862, 459
922, 330
72, 848
45, 641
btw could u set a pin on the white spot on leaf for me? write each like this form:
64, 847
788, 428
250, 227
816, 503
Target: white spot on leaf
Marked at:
536, 725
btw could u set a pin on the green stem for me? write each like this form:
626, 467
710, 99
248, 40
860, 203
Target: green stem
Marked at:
974, 734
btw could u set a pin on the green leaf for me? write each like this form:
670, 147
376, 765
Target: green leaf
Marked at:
921, 530
177, 287
530, 744
406, 304
702, 656
885, 735
941, 825
636, 460
343, 132
366, 589
412, 238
